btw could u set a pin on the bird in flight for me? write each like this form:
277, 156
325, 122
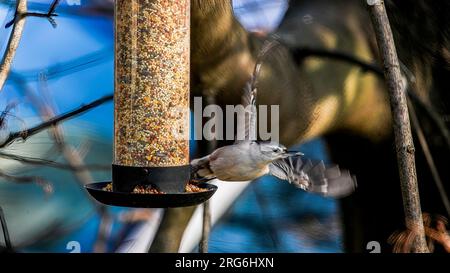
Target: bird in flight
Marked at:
250, 159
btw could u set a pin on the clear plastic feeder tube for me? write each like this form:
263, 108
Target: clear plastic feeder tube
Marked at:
151, 95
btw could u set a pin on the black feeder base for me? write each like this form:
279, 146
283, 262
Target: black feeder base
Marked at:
137, 200
170, 180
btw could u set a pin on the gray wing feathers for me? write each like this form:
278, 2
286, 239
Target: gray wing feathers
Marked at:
343, 185
249, 103
314, 177
251, 90
293, 171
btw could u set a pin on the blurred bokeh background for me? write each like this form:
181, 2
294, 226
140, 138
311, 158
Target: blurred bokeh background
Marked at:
58, 69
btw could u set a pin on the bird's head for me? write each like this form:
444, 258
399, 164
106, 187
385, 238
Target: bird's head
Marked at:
273, 150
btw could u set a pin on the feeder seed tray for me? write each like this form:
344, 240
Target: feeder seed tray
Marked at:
138, 200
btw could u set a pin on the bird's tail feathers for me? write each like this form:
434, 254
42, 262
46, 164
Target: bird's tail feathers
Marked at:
314, 176
331, 181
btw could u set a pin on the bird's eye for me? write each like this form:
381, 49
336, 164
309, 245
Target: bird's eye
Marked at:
276, 150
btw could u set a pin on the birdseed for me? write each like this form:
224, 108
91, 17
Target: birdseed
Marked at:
151, 125
146, 189
149, 189
194, 188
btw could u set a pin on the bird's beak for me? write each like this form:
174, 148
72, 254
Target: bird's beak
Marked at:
294, 153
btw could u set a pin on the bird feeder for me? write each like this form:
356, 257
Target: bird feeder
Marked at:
151, 107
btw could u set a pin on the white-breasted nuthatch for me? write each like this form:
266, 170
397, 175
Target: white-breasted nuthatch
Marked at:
250, 159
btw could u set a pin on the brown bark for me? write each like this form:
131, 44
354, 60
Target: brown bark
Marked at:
13, 42
171, 229
401, 123
206, 229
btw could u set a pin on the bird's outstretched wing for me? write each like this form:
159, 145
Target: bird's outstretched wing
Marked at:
250, 92
249, 103
314, 177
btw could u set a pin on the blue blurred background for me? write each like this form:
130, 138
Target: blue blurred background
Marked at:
72, 64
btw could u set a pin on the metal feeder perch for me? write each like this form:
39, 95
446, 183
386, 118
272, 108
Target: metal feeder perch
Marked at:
151, 107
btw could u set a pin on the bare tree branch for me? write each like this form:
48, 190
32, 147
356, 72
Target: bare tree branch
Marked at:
70, 154
5, 231
206, 228
75, 161
49, 15
206, 224
13, 42
24, 134
402, 127
46, 186
52, 164
16, 34
301, 52
52, 8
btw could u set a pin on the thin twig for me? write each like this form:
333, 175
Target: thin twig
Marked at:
429, 158
49, 15
402, 128
206, 228
300, 53
24, 134
52, 8
206, 224
82, 175
73, 157
5, 231
63, 68
433, 115
13, 43
10, 106
44, 184
52, 164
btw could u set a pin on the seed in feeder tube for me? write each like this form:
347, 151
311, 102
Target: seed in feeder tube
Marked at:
151, 83
160, 154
